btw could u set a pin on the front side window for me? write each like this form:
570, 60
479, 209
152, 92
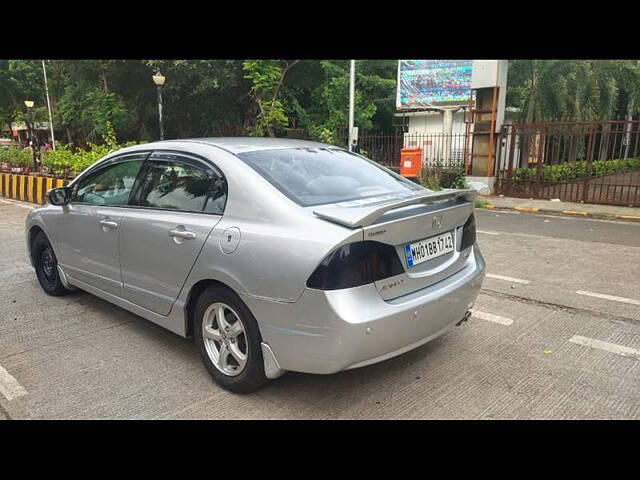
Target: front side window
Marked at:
315, 176
173, 184
110, 185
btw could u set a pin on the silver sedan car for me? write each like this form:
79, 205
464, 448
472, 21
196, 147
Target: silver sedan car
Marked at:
274, 254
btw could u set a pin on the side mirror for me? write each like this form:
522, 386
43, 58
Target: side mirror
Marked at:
59, 196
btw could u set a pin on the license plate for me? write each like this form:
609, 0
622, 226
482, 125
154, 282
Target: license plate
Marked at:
429, 248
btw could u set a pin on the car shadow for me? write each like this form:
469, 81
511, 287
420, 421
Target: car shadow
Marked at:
335, 395
297, 395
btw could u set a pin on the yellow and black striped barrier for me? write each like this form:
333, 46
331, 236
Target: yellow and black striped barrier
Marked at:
28, 188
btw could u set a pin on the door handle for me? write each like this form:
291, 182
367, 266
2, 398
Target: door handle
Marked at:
109, 224
185, 234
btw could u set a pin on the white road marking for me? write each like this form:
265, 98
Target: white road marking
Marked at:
9, 386
490, 317
587, 219
17, 204
606, 346
609, 297
508, 279
488, 233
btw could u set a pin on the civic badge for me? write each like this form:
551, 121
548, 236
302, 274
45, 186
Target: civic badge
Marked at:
437, 222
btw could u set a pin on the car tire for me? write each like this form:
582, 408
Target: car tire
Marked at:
46, 265
231, 372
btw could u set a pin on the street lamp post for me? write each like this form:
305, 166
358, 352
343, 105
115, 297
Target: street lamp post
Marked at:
352, 85
29, 105
158, 79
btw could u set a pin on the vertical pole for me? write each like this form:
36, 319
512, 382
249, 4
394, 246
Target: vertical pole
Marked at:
31, 139
46, 89
491, 133
447, 123
511, 159
468, 142
538, 134
627, 129
588, 160
160, 112
352, 84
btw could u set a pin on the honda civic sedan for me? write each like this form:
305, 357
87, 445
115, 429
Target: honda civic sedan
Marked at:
274, 254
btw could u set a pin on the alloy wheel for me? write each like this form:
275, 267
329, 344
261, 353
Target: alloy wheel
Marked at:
225, 339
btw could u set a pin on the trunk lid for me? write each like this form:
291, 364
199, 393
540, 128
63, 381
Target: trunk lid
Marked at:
400, 220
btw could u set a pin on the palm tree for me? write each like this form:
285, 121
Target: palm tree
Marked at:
573, 89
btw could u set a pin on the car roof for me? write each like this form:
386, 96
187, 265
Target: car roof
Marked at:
237, 145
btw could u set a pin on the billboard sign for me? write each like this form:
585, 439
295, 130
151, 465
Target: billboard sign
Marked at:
433, 83
15, 126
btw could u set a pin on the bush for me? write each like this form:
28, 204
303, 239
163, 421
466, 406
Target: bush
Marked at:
438, 177
63, 162
570, 170
66, 163
16, 157
457, 179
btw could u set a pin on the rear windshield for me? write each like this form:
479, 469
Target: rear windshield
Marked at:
315, 176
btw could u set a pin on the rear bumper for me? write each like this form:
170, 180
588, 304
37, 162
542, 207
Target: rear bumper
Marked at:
329, 331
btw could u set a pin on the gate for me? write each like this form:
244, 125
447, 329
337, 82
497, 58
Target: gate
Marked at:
590, 162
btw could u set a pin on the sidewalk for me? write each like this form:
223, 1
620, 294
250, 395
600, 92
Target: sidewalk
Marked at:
589, 210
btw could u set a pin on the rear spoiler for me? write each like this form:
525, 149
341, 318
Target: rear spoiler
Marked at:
362, 213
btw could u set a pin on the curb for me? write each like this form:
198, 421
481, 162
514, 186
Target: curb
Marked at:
564, 213
28, 188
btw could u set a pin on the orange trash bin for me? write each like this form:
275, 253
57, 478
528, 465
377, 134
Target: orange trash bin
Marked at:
410, 162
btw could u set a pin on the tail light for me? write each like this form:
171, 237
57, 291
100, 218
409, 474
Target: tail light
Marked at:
468, 233
356, 264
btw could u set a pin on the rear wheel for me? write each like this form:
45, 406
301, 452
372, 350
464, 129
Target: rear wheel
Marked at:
46, 265
229, 341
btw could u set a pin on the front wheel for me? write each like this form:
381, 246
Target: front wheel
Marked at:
46, 265
229, 340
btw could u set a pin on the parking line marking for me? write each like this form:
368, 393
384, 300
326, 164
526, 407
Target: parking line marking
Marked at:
488, 233
508, 279
490, 317
606, 346
9, 386
609, 297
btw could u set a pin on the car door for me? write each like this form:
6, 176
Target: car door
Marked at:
178, 202
88, 229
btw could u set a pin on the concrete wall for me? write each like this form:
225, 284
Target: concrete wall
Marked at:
429, 123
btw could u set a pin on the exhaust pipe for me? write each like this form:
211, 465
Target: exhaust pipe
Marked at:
464, 319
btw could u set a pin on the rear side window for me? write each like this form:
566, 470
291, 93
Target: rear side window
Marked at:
172, 182
315, 176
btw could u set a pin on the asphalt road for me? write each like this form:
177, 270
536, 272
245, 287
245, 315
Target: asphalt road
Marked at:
535, 348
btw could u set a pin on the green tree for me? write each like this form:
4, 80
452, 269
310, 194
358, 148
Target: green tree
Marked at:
20, 80
374, 94
573, 89
201, 97
267, 77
